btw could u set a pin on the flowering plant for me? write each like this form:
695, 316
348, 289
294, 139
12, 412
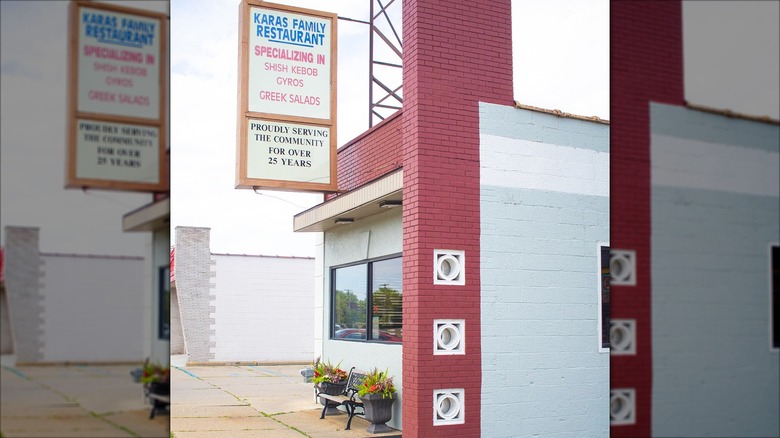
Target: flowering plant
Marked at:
325, 372
155, 373
377, 382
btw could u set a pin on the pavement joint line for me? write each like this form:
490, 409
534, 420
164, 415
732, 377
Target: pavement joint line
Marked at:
278, 413
286, 425
63, 395
41, 384
88, 369
269, 371
246, 403
17, 372
116, 426
186, 372
234, 396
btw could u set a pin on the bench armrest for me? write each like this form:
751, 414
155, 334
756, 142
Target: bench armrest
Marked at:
352, 393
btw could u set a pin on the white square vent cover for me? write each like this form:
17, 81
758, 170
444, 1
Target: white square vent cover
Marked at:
622, 267
449, 267
449, 336
622, 406
448, 407
622, 336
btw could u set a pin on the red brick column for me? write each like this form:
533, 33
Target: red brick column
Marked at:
455, 54
646, 65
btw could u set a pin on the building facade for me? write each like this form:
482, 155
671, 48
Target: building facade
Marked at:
239, 308
694, 223
154, 220
70, 307
493, 215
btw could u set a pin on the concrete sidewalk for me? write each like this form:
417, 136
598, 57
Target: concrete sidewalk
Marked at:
75, 401
252, 401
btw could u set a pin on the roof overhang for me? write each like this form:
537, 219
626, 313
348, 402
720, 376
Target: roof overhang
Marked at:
368, 200
150, 217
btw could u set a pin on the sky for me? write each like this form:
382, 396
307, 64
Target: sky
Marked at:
562, 46
732, 58
561, 60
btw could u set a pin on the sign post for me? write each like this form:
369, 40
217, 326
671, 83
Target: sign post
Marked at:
117, 136
287, 98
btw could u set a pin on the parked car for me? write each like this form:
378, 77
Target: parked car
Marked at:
351, 333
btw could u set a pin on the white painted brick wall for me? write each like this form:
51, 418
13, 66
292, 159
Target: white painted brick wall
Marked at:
73, 308
237, 308
263, 308
93, 308
193, 272
23, 277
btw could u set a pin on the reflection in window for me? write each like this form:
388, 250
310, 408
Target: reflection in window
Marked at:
775, 296
350, 301
353, 300
164, 316
386, 300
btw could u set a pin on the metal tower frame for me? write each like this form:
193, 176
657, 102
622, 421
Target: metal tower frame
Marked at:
389, 96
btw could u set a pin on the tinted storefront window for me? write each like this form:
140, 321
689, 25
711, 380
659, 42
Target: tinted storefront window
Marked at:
360, 313
350, 301
387, 314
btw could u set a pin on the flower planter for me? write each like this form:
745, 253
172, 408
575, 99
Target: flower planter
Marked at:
378, 411
160, 388
332, 388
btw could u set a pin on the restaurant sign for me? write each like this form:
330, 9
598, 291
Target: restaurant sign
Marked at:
117, 98
287, 98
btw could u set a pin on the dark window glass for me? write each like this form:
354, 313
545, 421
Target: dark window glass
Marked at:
775, 296
386, 300
367, 301
349, 302
164, 326
604, 274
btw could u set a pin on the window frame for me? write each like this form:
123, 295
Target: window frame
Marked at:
600, 246
164, 333
771, 248
369, 299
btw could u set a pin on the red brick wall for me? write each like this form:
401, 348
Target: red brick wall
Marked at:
455, 54
646, 65
374, 153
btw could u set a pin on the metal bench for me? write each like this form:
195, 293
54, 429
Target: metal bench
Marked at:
349, 398
159, 401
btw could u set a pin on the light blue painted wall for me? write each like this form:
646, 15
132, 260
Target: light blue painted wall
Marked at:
542, 127
713, 371
682, 122
369, 238
542, 372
